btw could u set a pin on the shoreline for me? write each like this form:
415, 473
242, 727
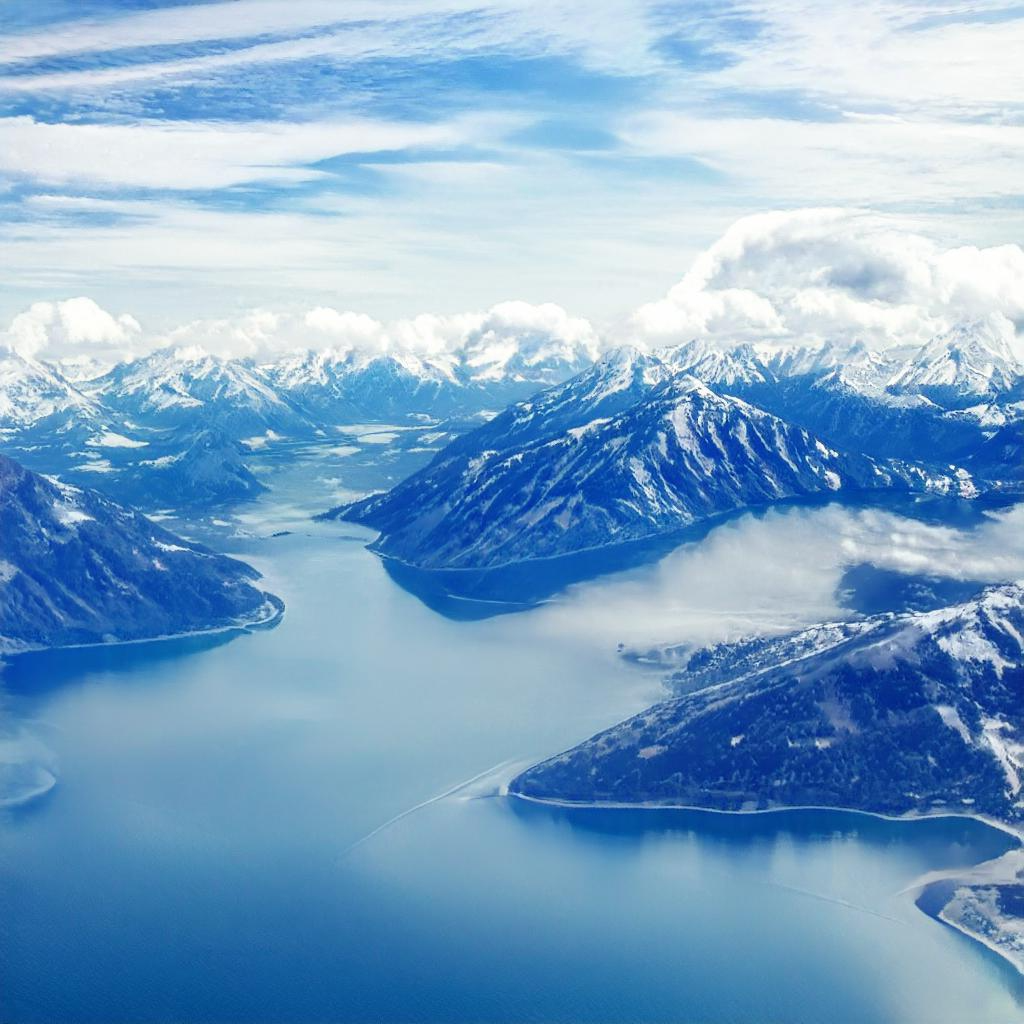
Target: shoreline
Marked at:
982, 940
647, 805
273, 607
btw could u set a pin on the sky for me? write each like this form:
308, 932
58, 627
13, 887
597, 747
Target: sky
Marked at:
192, 162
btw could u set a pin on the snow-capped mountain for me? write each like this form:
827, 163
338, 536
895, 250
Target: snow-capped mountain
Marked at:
743, 365
347, 387
34, 395
77, 568
338, 388
846, 397
530, 359
915, 713
969, 363
172, 387
607, 458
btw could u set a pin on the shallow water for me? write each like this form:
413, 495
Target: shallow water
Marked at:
213, 850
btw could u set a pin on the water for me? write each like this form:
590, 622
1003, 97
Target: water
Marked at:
214, 851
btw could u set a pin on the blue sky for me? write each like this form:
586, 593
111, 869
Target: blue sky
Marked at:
186, 160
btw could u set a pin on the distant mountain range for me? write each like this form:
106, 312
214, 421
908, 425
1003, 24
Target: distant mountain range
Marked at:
126, 425
77, 568
935, 405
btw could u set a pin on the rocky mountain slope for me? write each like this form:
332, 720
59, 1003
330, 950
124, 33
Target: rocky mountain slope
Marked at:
78, 568
626, 451
913, 713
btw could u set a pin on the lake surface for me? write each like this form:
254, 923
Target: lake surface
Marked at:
301, 824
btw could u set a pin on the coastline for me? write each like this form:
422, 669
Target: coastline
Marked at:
272, 609
1001, 951
649, 805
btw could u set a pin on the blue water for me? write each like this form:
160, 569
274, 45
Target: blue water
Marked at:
213, 849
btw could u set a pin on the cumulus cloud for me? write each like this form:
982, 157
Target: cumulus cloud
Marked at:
834, 275
508, 335
805, 276
73, 331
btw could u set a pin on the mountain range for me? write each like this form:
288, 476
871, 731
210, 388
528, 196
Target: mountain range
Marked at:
937, 404
642, 444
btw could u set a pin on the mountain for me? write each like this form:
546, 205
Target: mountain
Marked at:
846, 396
201, 470
36, 397
1001, 457
345, 388
896, 714
338, 388
971, 362
76, 568
612, 456
176, 387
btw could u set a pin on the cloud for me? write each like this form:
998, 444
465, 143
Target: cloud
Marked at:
805, 276
943, 54
509, 335
617, 35
190, 155
849, 157
834, 275
73, 331
777, 572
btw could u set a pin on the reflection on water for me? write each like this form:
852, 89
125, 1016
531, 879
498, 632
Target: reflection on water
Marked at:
213, 850
952, 842
39, 671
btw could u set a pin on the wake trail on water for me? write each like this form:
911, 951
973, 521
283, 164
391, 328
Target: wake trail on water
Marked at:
458, 787
835, 900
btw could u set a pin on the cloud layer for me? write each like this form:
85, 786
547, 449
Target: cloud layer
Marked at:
797, 277
781, 571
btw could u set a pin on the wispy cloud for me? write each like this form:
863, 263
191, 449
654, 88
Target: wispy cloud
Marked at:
581, 152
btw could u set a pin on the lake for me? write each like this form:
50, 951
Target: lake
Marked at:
302, 824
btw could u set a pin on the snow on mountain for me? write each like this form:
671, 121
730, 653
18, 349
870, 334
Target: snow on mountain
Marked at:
175, 386
200, 470
742, 365
549, 350
77, 568
972, 361
609, 457
914, 713
342, 387
34, 394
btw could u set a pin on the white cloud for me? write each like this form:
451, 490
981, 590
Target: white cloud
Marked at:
76, 331
833, 274
777, 572
854, 159
910, 54
616, 35
198, 155
518, 335
488, 341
